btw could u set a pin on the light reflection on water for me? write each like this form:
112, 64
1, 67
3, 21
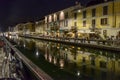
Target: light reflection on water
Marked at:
95, 63
37, 53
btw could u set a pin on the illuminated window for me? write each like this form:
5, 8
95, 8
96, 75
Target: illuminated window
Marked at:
50, 18
46, 19
55, 17
62, 15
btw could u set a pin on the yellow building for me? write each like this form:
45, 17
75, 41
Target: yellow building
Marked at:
18, 29
29, 28
40, 27
24, 28
100, 20
59, 24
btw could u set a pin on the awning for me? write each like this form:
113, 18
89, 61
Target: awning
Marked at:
85, 31
70, 33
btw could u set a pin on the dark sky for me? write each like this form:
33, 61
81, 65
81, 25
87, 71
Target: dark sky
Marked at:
17, 11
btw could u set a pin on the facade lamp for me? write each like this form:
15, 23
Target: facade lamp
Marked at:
79, 11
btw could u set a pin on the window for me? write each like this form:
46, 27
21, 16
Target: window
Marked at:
105, 32
83, 59
75, 23
52, 17
84, 23
105, 10
93, 62
66, 23
62, 15
57, 16
46, 19
62, 23
104, 21
93, 23
47, 25
118, 63
84, 14
93, 12
75, 15
66, 15
103, 64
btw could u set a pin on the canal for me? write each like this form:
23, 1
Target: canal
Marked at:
67, 62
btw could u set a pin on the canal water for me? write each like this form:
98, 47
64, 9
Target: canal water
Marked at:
67, 62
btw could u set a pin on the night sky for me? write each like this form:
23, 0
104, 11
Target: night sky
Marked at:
13, 12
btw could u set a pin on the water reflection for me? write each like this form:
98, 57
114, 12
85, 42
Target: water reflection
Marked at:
98, 64
78, 73
24, 45
37, 52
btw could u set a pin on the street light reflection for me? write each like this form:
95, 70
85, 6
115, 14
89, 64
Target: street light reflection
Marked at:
61, 63
24, 45
50, 58
78, 73
37, 53
55, 61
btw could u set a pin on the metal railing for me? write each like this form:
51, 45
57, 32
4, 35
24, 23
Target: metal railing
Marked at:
41, 75
103, 44
81, 40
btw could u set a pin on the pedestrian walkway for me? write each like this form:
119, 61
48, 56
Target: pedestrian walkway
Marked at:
2, 55
112, 45
5, 71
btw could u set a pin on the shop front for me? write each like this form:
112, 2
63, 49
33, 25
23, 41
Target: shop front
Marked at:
85, 34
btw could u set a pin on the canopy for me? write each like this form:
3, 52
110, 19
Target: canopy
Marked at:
85, 31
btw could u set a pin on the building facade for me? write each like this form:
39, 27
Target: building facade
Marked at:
28, 28
24, 28
60, 23
40, 27
99, 20
18, 29
102, 19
